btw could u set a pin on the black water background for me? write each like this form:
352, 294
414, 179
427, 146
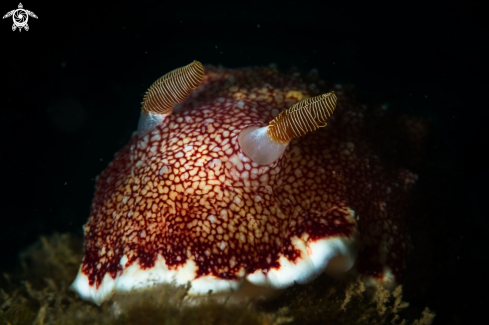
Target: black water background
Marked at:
72, 84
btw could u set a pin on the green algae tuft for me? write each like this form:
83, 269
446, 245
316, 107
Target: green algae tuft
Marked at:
39, 294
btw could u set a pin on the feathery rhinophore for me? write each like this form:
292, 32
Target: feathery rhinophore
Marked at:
304, 117
173, 88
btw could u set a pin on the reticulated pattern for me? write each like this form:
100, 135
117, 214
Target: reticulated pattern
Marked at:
185, 195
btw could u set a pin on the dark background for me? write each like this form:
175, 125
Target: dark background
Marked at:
72, 86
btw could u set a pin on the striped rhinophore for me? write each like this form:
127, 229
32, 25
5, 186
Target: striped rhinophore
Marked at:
304, 117
173, 88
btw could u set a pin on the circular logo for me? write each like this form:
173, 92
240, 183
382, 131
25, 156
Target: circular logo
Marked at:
20, 17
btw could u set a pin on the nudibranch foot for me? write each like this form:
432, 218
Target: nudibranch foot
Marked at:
244, 185
331, 255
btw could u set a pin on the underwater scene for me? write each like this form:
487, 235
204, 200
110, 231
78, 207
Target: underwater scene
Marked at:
243, 163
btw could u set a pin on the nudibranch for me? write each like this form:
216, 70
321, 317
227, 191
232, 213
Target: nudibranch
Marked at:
234, 179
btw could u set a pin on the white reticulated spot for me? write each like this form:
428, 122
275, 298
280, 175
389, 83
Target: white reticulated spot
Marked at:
156, 137
222, 245
240, 104
239, 166
232, 261
298, 172
245, 175
214, 163
224, 215
123, 260
242, 238
143, 144
139, 164
187, 148
164, 170
226, 146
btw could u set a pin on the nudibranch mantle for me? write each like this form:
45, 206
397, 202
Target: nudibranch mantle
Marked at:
183, 203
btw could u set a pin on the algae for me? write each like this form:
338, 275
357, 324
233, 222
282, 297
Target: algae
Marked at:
39, 294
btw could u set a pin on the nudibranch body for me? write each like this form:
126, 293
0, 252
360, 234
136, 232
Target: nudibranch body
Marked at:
182, 202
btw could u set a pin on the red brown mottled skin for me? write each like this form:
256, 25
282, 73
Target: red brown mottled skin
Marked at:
187, 191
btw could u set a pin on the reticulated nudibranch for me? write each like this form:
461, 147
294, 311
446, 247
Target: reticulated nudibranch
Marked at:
234, 179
